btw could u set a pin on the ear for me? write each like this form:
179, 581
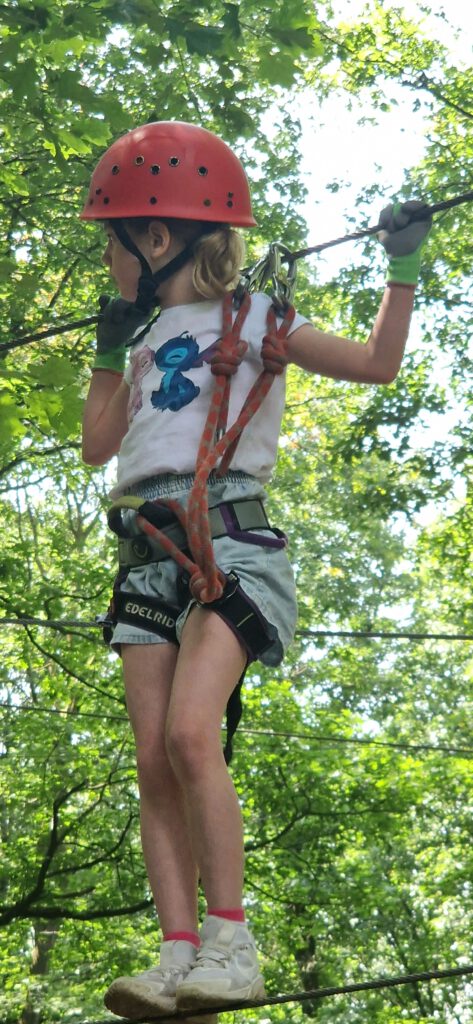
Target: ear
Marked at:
159, 237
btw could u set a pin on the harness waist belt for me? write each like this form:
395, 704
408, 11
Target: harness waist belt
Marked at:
145, 612
227, 519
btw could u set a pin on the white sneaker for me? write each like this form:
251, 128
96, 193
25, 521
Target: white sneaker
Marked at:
153, 992
225, 970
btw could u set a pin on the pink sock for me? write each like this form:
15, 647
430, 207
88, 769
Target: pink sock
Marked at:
186, 936
236, 914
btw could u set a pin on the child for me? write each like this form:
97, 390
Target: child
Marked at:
169, 195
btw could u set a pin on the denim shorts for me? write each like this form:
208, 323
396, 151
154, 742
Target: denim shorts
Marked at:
265, 573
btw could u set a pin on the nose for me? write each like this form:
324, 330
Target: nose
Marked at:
106, 257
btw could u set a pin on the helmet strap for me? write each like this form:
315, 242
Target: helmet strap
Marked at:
148, 282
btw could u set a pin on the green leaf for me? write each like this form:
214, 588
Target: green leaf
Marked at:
277, 69
23, 79
55, 371
72, 144
59, 49
231, 20
7, 267
297, 40
95, 130
206, 42
15, 183
10, 420
67, 420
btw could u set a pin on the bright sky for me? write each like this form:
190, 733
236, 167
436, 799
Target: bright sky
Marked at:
335, 147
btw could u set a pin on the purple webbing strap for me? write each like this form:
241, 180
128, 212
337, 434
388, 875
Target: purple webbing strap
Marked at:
247, 536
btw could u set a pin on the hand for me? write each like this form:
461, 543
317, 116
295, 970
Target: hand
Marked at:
118, 322
401, 234
404, 229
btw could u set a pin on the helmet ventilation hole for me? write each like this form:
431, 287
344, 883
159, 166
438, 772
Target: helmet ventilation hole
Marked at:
202, 171
115, 169
106, 200
139, 160
98, 191
207, 202
155, 168
153, 200
174, 161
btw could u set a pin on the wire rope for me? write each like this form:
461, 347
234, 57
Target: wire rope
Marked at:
374, 984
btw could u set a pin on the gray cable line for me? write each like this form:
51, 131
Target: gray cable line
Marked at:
311, 737
63, 624
313, 994
291, 257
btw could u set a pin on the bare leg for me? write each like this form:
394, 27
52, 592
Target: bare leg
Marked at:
171, 868
209, 664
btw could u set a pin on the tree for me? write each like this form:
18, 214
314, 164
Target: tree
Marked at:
353, 760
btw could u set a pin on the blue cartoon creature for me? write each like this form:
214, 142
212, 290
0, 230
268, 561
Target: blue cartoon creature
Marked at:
174, 357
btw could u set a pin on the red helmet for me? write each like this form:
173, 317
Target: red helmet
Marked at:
170, 169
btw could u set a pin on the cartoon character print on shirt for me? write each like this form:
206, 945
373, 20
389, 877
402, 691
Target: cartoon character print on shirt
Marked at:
173, 358
141, 363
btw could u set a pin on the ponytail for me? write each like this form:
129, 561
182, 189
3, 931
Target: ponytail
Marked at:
219, 257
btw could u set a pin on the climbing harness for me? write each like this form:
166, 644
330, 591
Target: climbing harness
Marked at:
231, 519
186, 535
218, 445
236, 609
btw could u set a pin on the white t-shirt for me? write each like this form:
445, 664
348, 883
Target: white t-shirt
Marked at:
171, 384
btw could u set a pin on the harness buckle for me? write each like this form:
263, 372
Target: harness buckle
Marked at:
232, 584
140, 547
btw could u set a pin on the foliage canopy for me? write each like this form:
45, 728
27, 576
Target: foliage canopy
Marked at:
354, 760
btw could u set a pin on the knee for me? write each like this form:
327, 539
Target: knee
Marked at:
152, 765
193, 750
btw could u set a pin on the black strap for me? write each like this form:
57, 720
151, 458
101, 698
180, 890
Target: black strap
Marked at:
254, 632
148, 282
146, 612
244, 618
157, 514
233, 714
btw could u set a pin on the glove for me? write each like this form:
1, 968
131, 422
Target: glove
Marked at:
403, 237
118, 322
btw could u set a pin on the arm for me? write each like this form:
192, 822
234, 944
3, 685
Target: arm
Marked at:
377, 362
104, 422
405, 228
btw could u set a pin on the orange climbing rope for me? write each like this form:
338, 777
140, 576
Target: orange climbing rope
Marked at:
217, 443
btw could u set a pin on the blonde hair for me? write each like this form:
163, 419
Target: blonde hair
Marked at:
219, 258
219, 252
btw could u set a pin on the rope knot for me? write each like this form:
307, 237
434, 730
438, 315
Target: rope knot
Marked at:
274, 353
205, 590
227, 357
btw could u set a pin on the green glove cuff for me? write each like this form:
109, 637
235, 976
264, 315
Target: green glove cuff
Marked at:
405, 269
114, 360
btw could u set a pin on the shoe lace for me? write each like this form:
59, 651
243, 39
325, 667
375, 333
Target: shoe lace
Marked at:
162, 972
209, 956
